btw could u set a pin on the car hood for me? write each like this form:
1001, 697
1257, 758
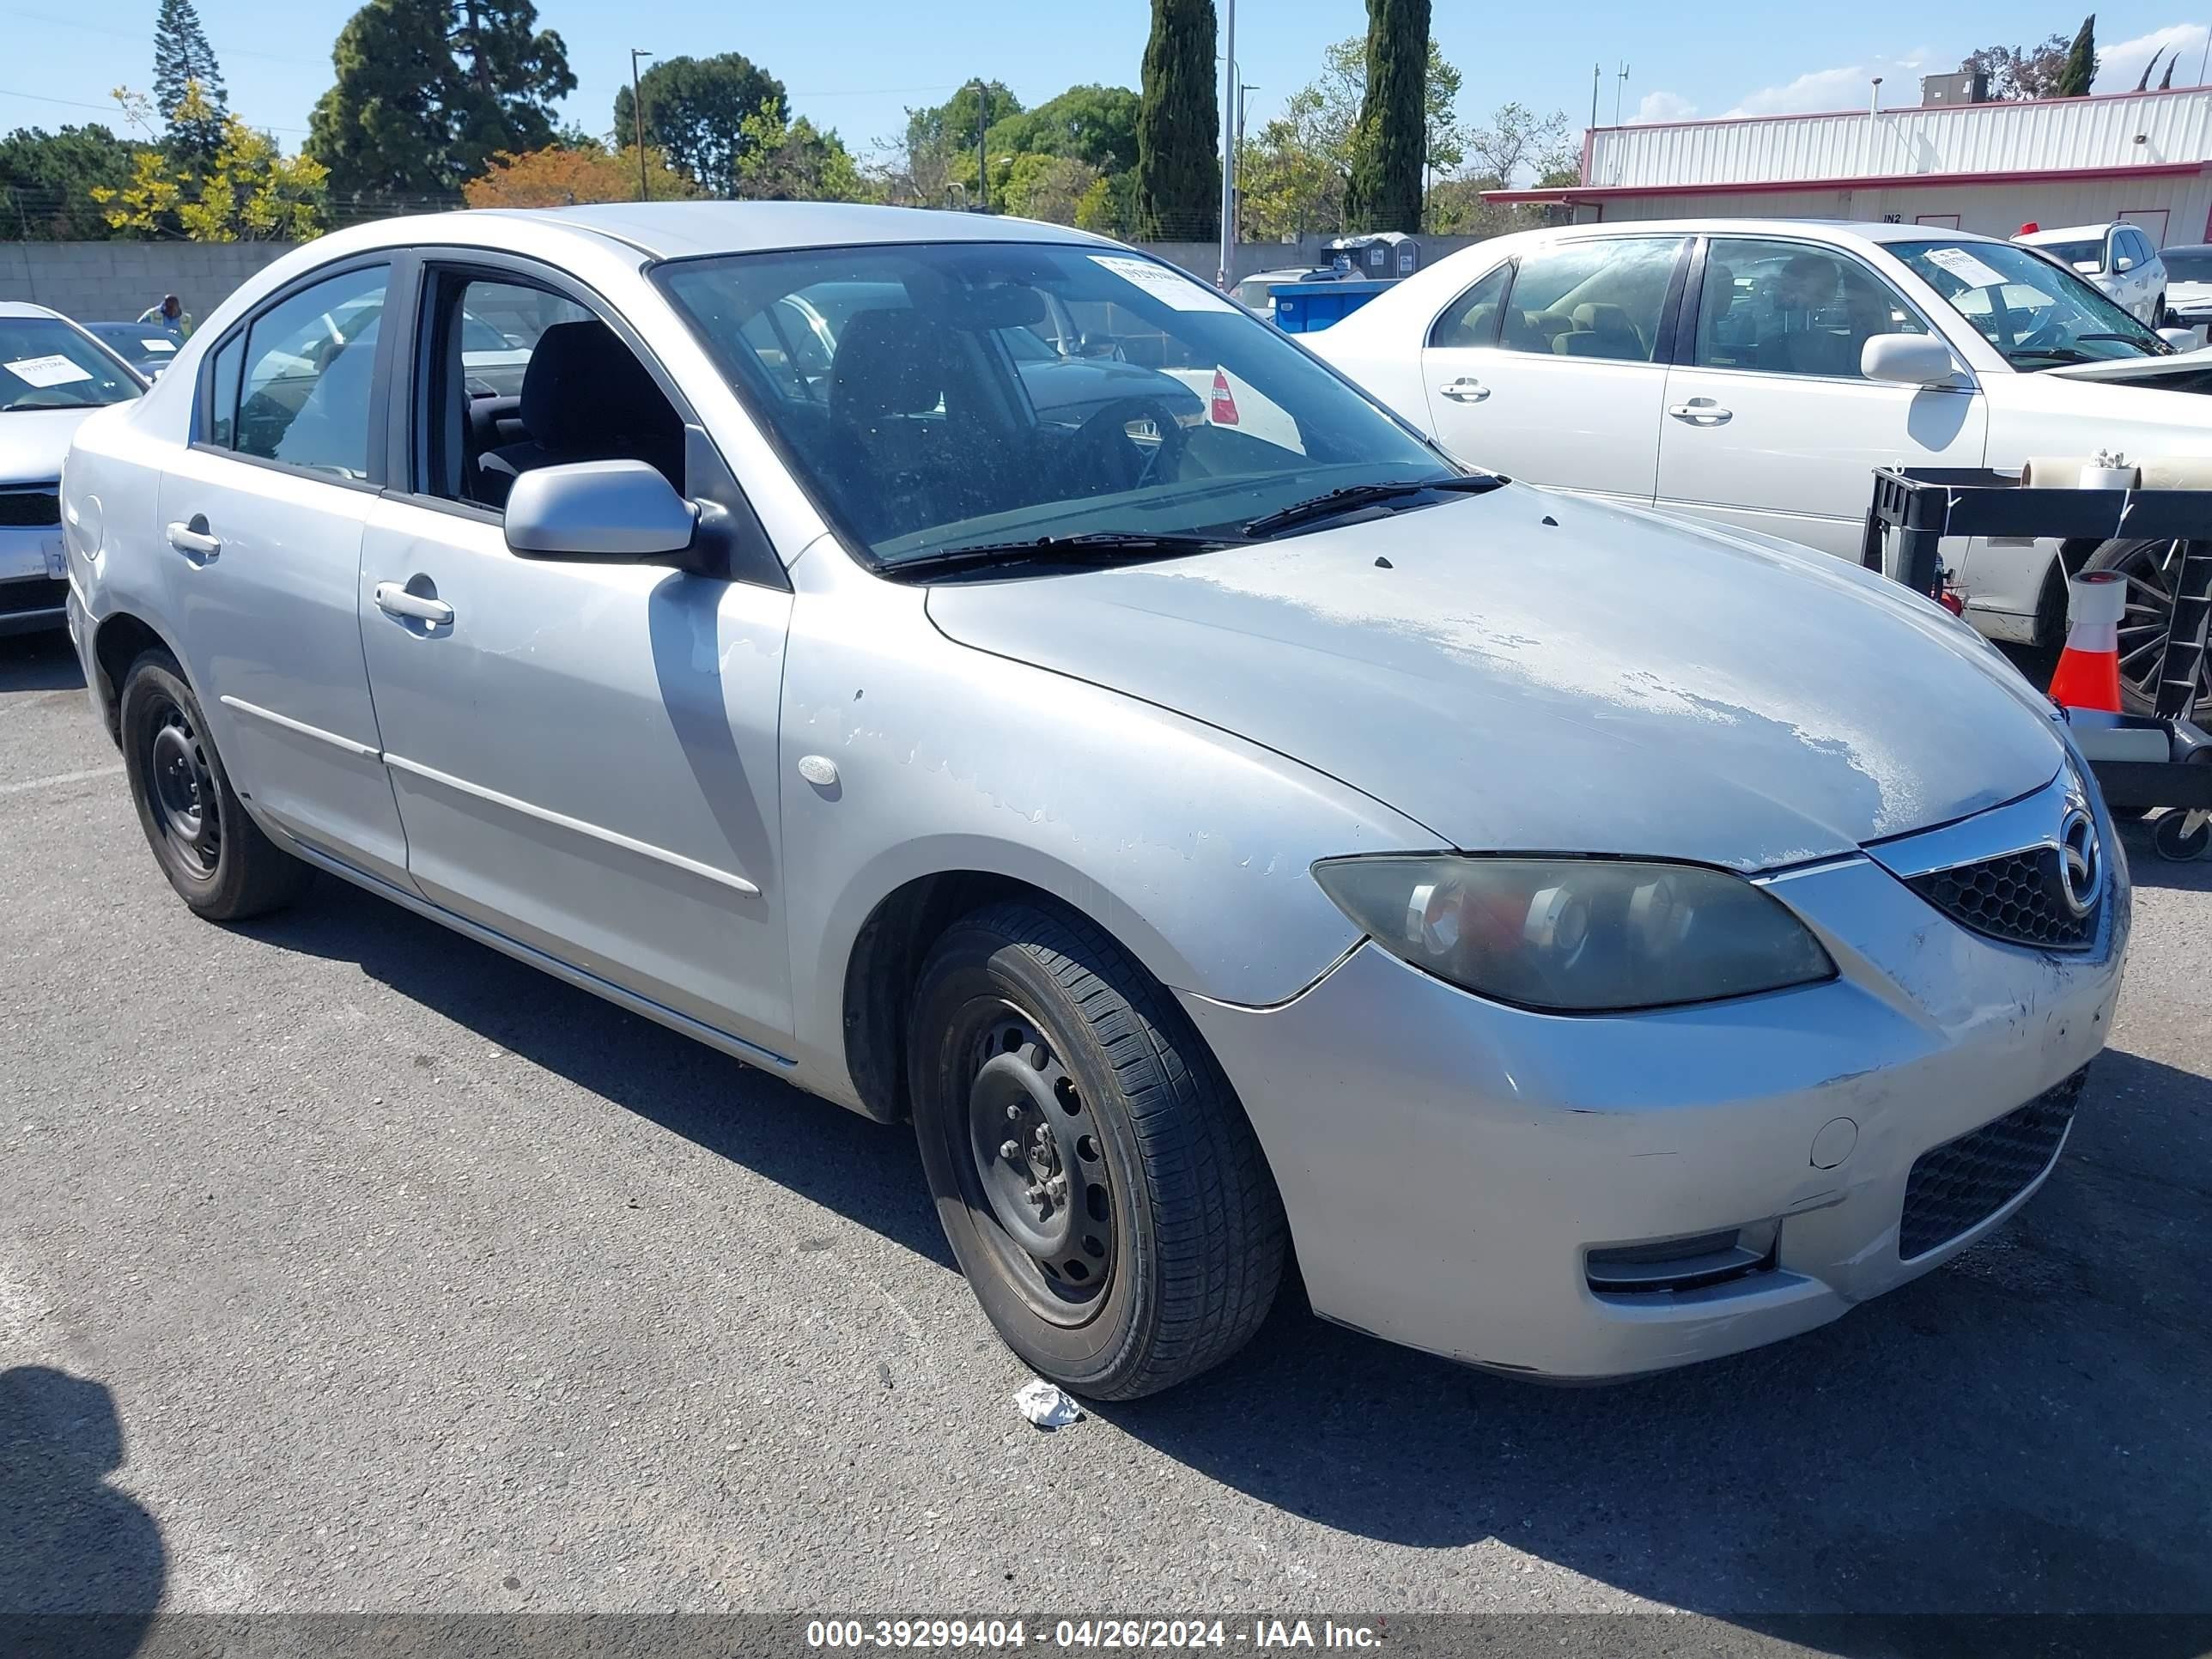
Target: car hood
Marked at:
2182, 366
33, 441
1519, 670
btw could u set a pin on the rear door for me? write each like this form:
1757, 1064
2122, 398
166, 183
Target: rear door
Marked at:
263, 516
1769, 424
1553, 369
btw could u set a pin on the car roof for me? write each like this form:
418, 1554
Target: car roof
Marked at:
683, 230
25, 308
1844, 232
2070, 232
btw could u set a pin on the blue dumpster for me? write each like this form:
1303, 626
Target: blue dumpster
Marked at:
1308, 307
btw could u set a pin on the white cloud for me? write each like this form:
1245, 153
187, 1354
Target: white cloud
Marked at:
1845, 88
1664, 106
2120, 66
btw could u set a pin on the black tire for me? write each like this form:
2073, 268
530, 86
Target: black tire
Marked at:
2174, 845
1161, 1252
2151, 568
213, 854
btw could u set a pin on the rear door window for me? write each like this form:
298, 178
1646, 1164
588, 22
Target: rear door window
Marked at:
309, 378
1603, 297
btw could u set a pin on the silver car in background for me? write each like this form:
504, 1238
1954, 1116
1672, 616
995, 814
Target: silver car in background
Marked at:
53, 374
1584, 943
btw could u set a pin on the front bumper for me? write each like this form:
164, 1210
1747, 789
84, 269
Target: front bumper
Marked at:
33, 582
1448, 1164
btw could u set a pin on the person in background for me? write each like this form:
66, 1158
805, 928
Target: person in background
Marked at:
170, 316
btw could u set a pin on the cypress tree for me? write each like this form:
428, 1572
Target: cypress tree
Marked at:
1179, 126
182, 57
2073, 81
1384, 191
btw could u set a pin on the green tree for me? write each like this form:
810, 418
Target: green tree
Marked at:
1036, 186
1388, 155
46, 181
2080, 70
509, 73
695, 109
2018, 73
183, 58
250, 192
1094, 124
1179, 125
428, 91
794, 161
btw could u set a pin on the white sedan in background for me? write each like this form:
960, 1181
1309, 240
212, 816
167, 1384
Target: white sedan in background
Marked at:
1754, 371
2118, 260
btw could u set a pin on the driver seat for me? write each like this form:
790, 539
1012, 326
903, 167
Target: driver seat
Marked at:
903, 427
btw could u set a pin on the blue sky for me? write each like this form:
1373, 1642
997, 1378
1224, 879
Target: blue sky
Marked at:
856, 65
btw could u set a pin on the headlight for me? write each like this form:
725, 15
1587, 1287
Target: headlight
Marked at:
1578, 935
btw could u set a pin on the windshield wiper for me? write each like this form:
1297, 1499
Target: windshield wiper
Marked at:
1094, 547
1353, 496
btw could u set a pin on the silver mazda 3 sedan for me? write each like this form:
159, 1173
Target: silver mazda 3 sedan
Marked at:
986, 677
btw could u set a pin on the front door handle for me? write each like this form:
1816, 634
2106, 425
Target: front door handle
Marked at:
1702, 411
1464, 389
393, 601
192, 539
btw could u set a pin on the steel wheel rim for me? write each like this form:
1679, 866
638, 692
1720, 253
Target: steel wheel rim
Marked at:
2153, 570
1033, 1167
181, 792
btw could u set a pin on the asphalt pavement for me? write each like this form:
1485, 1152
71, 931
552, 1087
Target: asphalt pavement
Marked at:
346, 1264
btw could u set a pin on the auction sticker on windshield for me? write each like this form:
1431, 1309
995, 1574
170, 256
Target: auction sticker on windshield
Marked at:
159, 345
1171, 287
1967, 268
55, 370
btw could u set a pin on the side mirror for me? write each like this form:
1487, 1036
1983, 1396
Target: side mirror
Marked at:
1906, 360
613, 510
2181, 339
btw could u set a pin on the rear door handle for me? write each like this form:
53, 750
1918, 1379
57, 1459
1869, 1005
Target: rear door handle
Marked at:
1702, 411
193, 540
394, 600
1464, 389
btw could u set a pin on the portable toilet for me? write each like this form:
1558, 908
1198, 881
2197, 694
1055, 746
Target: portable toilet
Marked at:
1384, 256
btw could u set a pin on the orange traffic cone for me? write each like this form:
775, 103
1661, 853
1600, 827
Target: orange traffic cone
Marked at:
2088, 672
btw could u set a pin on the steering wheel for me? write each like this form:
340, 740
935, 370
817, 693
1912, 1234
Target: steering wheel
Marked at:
1114, 418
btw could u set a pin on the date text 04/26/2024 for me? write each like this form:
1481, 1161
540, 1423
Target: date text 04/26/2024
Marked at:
1259, 1635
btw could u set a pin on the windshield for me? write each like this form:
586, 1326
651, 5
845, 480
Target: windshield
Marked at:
2087, 256
931, 398
2036, 314
2188, 264
46, 364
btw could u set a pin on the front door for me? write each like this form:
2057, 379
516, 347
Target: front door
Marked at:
263, 518
584, 753
1770, 425
1553, 372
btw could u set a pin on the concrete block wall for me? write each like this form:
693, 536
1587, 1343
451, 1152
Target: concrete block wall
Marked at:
113, 282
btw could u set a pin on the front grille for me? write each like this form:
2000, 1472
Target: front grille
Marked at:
21, 508
1963, 1182
40, 593
2018, 898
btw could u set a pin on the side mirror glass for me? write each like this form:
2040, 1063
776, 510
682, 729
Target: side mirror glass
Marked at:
613, 510
1906, 360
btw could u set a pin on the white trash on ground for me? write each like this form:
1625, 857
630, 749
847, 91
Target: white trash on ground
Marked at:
1045, 1404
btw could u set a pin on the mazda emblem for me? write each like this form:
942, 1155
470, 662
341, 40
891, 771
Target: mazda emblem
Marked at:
2080, 859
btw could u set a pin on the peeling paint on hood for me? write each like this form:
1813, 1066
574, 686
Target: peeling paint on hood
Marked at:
1613, 684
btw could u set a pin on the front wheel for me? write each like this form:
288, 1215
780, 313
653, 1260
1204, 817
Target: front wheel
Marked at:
213, 855
2152, 569
1094, 1174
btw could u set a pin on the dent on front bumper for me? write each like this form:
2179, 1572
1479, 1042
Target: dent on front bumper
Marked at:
1448, 1164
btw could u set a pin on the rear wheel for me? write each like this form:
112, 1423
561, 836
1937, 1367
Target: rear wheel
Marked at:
213, 855
2152, 568
1094, 1176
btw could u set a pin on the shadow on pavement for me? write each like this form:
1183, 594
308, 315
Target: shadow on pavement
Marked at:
2021, 1431
39, 662
81, 1563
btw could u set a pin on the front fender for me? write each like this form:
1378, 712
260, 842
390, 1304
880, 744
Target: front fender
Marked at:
1191, 846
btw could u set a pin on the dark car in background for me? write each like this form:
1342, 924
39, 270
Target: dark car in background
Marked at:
145, 347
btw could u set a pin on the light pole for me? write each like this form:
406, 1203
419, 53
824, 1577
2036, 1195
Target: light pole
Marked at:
982, 159
637, 110
1229, 151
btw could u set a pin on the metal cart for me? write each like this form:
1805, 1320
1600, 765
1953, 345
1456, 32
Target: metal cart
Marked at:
2141, 762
